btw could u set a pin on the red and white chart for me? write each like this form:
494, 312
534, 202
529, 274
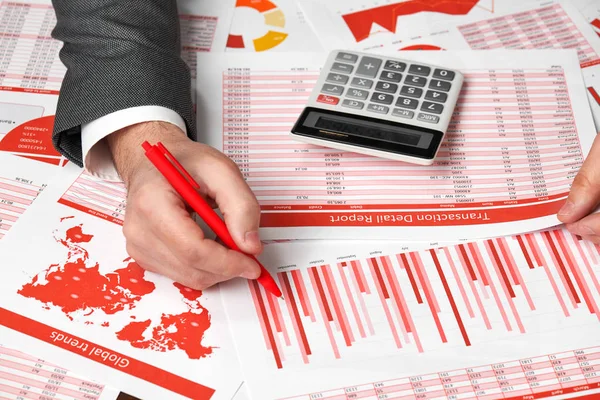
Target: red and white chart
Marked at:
369, 25
515, 317
101, 314
519, 135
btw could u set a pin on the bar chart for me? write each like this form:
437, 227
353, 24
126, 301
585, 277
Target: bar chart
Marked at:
468, 293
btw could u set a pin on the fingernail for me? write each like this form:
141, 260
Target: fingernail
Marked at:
567, 208
252, 238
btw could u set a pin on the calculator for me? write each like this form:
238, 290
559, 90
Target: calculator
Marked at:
381, 106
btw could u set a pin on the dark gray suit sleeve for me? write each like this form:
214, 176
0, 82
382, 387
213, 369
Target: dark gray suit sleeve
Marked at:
119, 54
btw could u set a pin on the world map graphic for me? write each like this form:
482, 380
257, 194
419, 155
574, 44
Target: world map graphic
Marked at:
79, 290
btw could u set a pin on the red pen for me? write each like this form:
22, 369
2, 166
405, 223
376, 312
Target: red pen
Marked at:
187, 188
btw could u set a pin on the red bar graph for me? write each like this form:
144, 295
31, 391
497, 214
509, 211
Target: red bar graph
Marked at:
449, 291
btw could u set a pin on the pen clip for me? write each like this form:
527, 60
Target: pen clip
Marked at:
177, 165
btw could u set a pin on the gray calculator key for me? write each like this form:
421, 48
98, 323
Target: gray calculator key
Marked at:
433, 108
419, 70
411, 91
428, 118
443, 74
343, 68
440, 85
390, 76
403, 113
415, 80
378, 109
368, 67
332, 89
395, 66
382, 98
436, 96
347, 57
337, 79
357, 105
386, 87
362, 83
357, 94
405, 102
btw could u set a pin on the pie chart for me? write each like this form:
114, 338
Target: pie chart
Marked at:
260, 27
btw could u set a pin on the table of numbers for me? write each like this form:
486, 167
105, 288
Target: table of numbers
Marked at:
543, 28
25, 377
97, 197
28, 54
528, 378
513, 140
16, 195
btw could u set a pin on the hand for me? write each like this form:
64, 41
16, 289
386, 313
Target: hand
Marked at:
584, 198
161, 235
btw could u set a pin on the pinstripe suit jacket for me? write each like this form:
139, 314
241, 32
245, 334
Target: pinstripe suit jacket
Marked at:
119, 54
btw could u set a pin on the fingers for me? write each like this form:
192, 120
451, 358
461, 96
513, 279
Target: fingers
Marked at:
235, 200
588, 228
157, 223
585, 191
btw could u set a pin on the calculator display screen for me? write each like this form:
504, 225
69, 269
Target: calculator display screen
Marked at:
369, 129
369, 132
372, 130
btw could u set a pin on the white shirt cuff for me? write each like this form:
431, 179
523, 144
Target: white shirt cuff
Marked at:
97, 159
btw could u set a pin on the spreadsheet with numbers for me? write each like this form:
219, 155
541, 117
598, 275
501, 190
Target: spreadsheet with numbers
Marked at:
517, 139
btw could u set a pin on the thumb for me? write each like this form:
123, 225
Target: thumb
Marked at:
238, 204
584, 196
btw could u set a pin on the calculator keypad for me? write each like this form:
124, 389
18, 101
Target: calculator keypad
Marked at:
379, 85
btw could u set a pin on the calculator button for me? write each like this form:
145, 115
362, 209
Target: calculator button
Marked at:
419, 70
428, 118
357, 94
332, 89
436, 96
443, 74
415, 80
390, 76
362, 83
368, 67
395, 66
411, 91
343, 68
402, 113
440, 85
327, 99
337, 78
347, 57
378, 109
386, 87
357, 105
382, 98
434, 108
405, 102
